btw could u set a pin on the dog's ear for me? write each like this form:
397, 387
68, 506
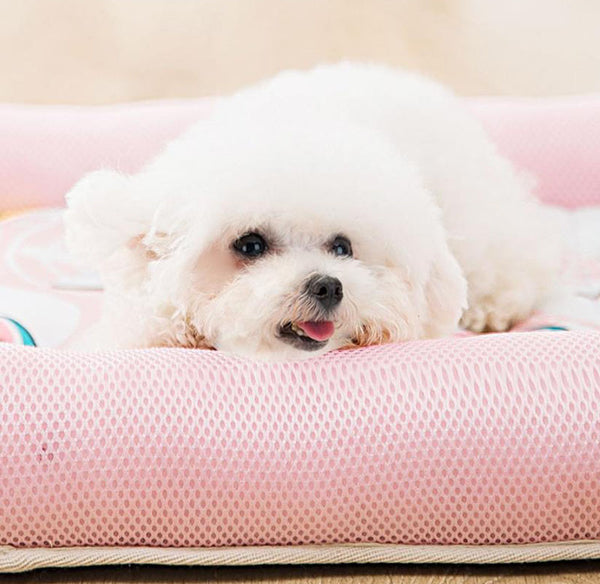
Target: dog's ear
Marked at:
107, 214
445, 295
101, 216
431, 306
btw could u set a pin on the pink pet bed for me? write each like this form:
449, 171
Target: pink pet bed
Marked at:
469, 449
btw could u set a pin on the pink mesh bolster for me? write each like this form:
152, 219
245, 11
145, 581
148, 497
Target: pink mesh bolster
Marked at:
494, 439
556, 140
44, 150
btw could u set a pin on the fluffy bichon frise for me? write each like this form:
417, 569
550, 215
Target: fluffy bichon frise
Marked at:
345, 206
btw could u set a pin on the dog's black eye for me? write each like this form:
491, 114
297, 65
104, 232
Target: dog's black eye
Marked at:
251, 245
341, 247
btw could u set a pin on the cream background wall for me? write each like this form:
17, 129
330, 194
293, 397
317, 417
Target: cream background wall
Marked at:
103, 51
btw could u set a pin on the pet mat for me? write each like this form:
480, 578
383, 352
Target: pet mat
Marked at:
468, 449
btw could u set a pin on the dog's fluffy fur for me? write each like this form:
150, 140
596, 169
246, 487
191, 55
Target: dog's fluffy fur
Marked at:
443, 229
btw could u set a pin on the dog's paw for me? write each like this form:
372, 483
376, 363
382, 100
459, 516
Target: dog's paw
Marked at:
488, 316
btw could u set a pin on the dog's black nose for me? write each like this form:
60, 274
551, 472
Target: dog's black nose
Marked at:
327, 290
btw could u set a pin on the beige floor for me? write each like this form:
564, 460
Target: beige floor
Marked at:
554, 573
103, 51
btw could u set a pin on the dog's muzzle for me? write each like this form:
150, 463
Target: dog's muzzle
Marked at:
325, 293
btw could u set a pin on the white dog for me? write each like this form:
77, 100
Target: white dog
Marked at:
345, 206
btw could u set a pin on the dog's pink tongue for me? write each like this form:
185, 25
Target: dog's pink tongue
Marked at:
319, 330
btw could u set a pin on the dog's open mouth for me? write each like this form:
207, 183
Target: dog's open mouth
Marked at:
309, 335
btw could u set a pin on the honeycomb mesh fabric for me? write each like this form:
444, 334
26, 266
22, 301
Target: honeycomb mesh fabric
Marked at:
478, 441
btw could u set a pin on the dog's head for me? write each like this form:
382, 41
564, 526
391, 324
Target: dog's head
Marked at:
280, 241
